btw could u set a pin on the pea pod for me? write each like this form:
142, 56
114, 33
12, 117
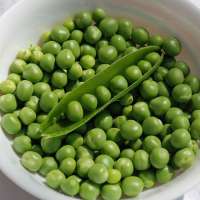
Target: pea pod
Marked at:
54, 129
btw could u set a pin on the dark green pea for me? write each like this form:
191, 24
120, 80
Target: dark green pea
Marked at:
104, 121
88, 50
144, 66
111, 148
140, 36
167, 129
17, 66
162, 89
127, 153
73, 46
50, 145
118, 83
172, 113
160, 105
8, 103
75, 72
118, 42
195, 129
59, 79
87, 74
16, 78
183, 67
69, 24
152, 57
184, 158
152, 126
193, 82
151, 142
7, 87
24, 90
168, 62
111, 192
140, 111
131, 130
89, 102
60, 34
166, 143
108, 26
48, 100
40, 88
125, 28
133, 73
195, 101
48, 164
164, 175
74, 111
127, 111
103, 94
47, 62
107, 54
115, 108
46, 78
149, 89
83, 19
141, 160
172, 46
126, 99
160, 74
21, 144
51, 47
182, 93
98, 14
74, 140
156, 40
174, 77
159, 157
180, 122
130, 50
65, 59
92, 34
76, 35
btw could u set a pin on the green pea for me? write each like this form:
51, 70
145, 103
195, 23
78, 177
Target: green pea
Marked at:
172, 113
50, 145
51, 47
130, 50
8, 103
75, 140
140, 36
107, 54
149, 89
102, 67
195, 114
69, 24
32, 161
91, 138
41, 118
83, 166
160, 73
7, 87
183, 67
133, 73
60, 34
103, 94
127, 111
151, 142
172, 46
67, 166
104, 121
195, 129
47, 62
102, 43
111, 192
195, 100
114, 176
118, 121
75, 72
65, 59
36, 56
17, 66
72, 45
166, 143
34, 131
48, 164
99, 14
59, 79
46, 78
152, 57
92, 34
164, 175
156, 40
159, 157
184, 158
89, 190
66, 151
87, 61
37, 148
40, 88
88, 74
140, 111
160, 105
193, 145
141, 160
126, 99
135, 145
131, 130
70, 186
48, 100
45, 37
193, 82
54, 178
132, 186
168, 62
127, 153
180, 122
76, 35
162, 89
114, 134
24, 90
108, 26
84, 152
148, 178
10, 124
152, 126
33, 103
125, 28
118, 83
98, 173
88, 50
174, 77
27, 115
24, 54
144, 66
16, 78
21, 144
83, 19
111, 148
89, 102
118, 42
106, 160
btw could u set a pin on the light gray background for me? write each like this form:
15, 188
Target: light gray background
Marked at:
9, 191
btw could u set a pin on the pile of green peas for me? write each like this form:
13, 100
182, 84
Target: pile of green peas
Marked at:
137, 142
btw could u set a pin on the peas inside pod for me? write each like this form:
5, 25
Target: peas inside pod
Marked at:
128, 118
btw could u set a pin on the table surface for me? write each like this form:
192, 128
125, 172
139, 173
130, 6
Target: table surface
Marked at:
9, 190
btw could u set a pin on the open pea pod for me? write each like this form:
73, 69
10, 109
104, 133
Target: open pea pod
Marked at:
54, 128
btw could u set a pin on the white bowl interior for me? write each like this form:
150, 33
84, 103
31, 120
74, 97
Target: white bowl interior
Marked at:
23, 24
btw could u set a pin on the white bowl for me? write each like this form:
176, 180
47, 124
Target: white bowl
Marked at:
24, 23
